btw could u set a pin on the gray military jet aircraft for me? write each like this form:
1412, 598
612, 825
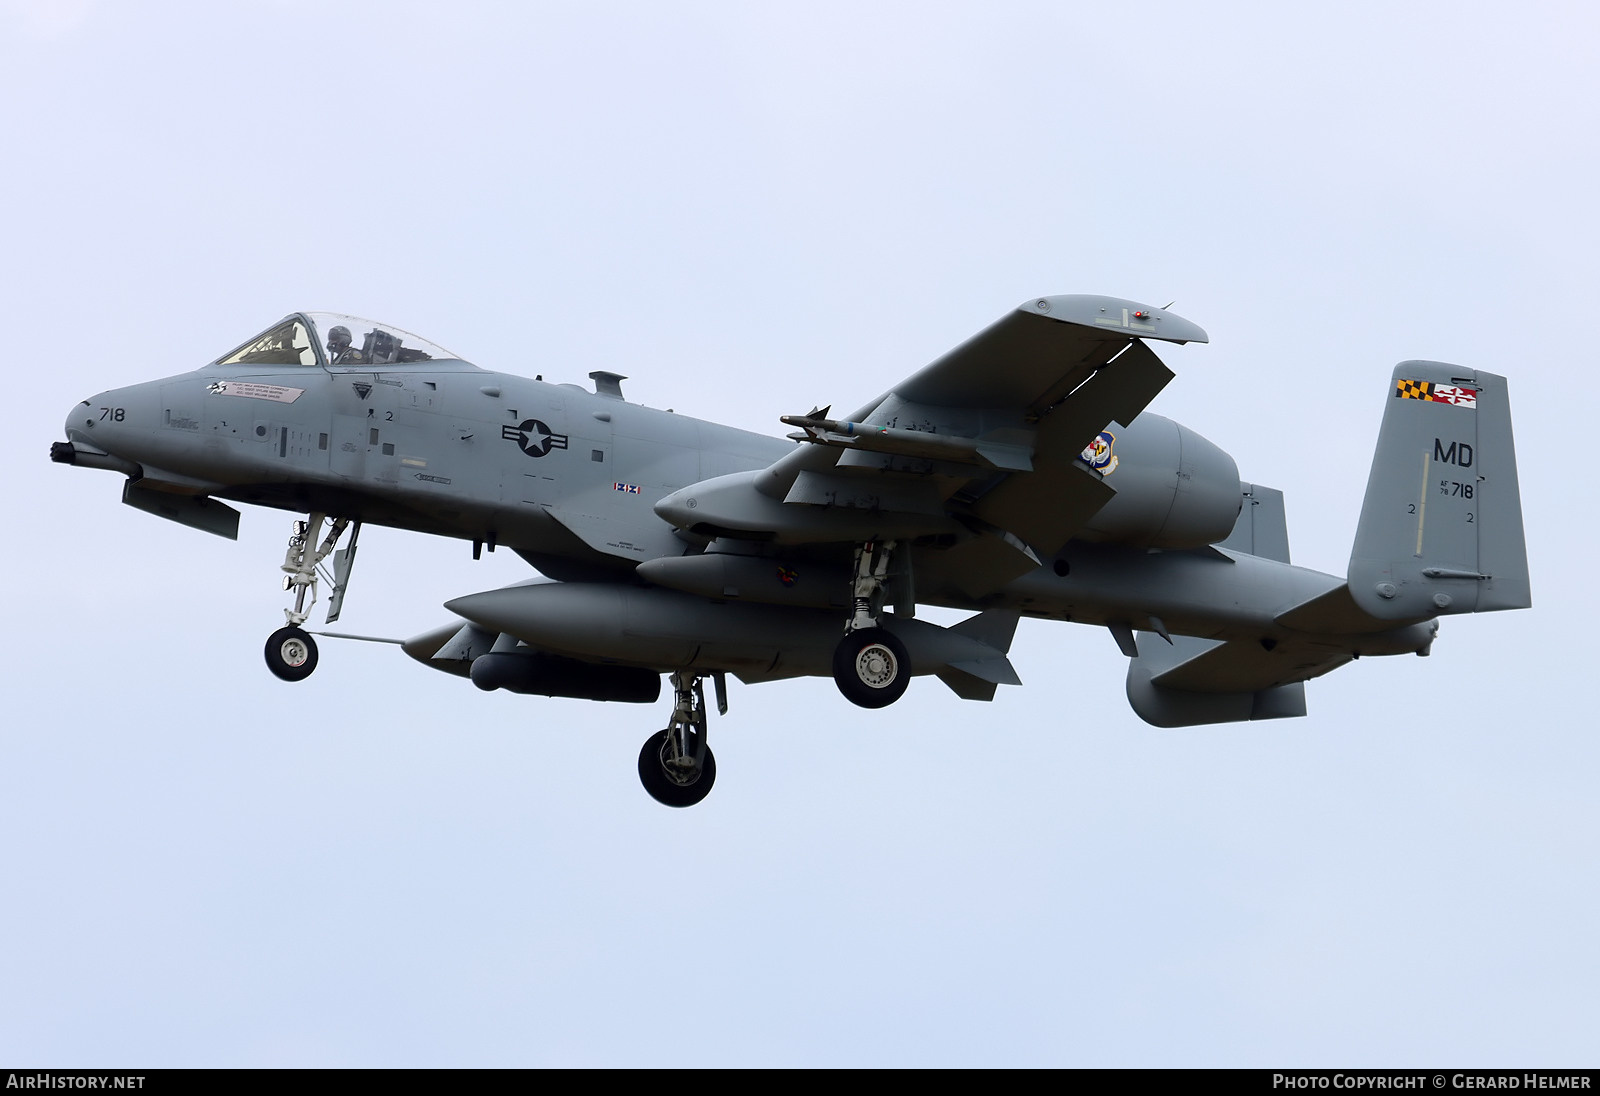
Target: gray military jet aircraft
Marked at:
1018, 474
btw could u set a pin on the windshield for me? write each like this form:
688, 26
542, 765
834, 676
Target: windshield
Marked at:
312, 338
288, 343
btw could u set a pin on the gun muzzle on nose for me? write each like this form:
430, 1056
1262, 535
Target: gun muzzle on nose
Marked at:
74, 452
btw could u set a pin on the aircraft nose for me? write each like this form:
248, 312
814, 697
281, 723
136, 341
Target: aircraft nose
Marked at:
91, 435
99, 421
117, 417
80, 421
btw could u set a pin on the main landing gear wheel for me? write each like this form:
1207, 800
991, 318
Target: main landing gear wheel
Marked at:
670, 776
291, 654
871, 668
675, 765
870, 664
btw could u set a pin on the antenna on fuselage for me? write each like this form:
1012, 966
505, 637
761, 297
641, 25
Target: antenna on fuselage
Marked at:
607, 384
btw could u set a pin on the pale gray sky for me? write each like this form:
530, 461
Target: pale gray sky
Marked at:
751, 212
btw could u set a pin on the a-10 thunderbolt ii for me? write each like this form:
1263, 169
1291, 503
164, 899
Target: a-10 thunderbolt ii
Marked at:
1018, 474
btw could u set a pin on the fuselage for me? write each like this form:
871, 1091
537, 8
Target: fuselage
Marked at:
1018, 474
439, 447
569, 477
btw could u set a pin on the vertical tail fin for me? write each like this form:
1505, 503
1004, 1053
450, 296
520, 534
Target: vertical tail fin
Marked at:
1441, 524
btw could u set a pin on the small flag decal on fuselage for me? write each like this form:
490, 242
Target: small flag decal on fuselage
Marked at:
626, 488
1437, 393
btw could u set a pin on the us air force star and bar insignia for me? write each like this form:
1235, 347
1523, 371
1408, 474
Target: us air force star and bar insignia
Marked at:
1437, 393
534, 437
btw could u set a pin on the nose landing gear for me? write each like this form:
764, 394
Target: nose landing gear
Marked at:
676, 766
291, 653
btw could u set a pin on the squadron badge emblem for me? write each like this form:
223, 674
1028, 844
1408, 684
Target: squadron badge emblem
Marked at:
1098, 454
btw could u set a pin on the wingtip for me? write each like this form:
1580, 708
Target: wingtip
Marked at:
1117, 314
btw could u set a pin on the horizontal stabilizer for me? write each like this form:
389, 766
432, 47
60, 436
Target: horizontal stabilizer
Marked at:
1332, 613
1247, 666
1198, 681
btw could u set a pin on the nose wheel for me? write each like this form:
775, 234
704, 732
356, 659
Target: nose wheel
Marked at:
291, 653
676, 766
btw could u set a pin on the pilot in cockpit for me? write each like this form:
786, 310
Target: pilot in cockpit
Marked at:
340, 352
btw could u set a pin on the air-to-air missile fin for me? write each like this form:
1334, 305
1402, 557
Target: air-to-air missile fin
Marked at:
976, 679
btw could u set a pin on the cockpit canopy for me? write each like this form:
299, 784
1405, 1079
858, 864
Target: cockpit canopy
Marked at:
334, 339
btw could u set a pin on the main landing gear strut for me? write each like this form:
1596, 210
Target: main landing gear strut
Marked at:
676, 766
291, 653
870, 664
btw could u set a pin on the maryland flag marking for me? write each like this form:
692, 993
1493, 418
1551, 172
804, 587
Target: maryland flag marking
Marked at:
1437, 393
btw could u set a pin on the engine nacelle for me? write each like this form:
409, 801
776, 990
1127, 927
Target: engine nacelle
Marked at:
1175, 489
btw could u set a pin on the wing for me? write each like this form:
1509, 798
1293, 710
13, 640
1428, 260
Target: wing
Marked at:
981, 450
1038, 354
